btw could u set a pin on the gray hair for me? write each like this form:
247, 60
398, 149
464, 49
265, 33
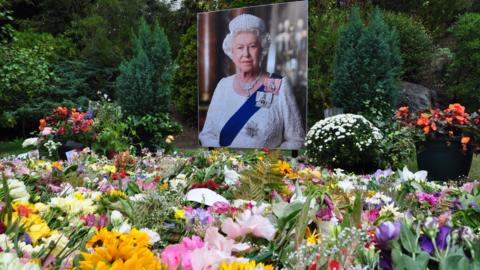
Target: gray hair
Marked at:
251, 24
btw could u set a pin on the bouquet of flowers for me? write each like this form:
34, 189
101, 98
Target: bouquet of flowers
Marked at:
65, 125
452, 123
345, 141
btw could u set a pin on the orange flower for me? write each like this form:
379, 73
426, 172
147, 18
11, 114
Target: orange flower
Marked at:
43, 124
426, 130
449, 120
456, 107
423, 120
402, 111
465, 140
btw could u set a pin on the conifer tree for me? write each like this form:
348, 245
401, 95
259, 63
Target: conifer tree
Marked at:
143, 86
367, 67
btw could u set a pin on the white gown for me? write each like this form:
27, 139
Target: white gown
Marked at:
279, 126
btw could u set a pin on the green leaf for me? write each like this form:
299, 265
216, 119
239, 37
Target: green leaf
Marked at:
408, 239
458, 262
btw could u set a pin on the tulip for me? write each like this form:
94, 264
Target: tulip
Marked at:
387, 232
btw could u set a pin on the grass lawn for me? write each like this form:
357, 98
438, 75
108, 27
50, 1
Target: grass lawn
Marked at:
15, 147
11, 147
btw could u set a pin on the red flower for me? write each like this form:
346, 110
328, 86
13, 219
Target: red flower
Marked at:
334, 265
23, 211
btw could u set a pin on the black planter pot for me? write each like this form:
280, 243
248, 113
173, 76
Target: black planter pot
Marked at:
68, 146
443, 162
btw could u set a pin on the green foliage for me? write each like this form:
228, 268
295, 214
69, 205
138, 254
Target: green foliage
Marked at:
184, 86
416, 45
397, 146
323, 36
151, 130
257, 183
23, 72
464, 79
50, 47
110, 127
436, 15
367, 67
143, 86
6, 29
156, 211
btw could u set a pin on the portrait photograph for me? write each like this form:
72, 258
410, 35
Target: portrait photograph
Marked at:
252, 76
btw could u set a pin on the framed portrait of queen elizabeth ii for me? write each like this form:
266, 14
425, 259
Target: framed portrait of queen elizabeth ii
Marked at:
252, 76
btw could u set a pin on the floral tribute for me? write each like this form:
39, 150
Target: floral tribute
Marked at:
230, 211
64, 125
451, 123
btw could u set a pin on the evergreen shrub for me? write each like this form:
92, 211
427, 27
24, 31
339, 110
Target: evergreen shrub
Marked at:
367, 67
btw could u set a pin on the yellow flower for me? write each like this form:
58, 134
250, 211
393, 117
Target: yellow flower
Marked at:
115, 251
312, 238
38, 231
169, 139
284, 168
78, 196
101, 238
136, 238
164, 186
179, 214
110, 168
260, 157
118, 193
250, 265
57, 165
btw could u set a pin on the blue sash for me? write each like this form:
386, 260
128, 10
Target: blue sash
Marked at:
233, 126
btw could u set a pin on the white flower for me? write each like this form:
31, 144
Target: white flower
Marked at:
153, 236
17, 189
231, 176
124, 228
346, 185
30, 142
407, 175
138, 197
9, 261
116, 218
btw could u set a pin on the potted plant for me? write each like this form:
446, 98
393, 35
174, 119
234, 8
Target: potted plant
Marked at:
445, 140
346, 141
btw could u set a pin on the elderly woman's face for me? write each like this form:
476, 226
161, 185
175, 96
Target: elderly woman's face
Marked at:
246, 52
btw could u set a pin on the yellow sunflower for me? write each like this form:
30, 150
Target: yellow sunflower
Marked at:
250, 265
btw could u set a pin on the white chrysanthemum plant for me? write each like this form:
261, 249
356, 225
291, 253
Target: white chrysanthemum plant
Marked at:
346, 141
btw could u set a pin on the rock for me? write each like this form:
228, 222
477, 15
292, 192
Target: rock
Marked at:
415, 96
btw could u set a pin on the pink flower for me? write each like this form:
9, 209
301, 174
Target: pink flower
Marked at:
468, 187
47, 131
217, 248
432, 199
146, 186
172, 255
249, 223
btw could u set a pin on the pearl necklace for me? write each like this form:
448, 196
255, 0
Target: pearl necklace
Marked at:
249, 85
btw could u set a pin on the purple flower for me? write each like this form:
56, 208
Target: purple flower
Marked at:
387, 232
27, 239
455, 205
328, 201
442, 235
386, 260
385, 173
425, 243
324, 214
200, 214
473, 205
